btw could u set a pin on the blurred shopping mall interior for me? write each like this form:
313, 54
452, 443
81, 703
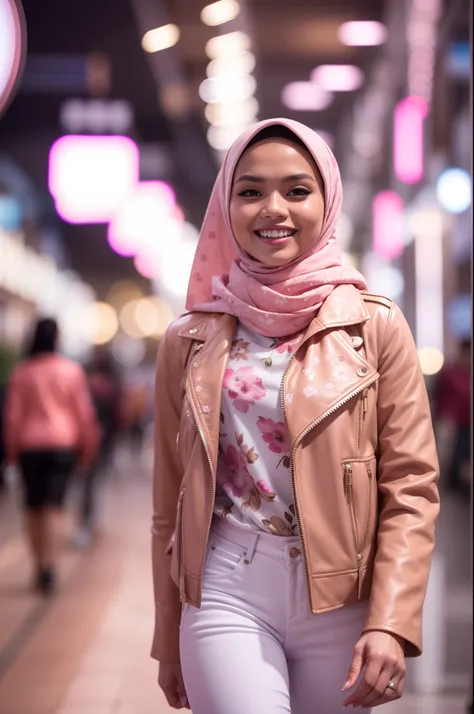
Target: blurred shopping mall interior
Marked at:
115, 116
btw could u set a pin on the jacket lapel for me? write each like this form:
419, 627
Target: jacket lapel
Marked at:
213, 336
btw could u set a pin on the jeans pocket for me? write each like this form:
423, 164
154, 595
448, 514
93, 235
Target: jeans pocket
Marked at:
223, 558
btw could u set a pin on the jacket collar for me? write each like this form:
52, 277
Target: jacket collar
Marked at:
344, 306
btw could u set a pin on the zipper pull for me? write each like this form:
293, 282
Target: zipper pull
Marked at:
348, 475
365, 401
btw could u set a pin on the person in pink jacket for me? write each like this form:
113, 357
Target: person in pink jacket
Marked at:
49, 429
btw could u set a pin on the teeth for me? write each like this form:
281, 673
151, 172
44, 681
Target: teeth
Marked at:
276, 234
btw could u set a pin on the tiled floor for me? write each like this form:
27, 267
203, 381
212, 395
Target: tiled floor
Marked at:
86, 651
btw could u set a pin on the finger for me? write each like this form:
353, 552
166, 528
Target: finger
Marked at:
369, 680
172, 697
183, 698
390, 695
355, 668
380, 689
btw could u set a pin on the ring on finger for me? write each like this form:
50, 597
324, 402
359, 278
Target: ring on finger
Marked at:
391, 685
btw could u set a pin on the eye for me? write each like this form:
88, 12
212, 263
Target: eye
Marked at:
249, 193
299, 191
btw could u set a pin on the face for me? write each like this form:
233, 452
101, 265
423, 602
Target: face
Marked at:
277, 202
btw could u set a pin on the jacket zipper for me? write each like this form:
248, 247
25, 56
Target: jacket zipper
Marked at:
293, 451
350, 508
208, 454
369, 506
181, 583
363, 407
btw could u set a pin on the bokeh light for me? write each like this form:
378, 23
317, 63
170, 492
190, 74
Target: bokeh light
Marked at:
431, 360
453, 190
102, 321
90, 176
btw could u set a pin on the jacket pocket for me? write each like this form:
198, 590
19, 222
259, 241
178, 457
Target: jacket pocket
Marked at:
360, 496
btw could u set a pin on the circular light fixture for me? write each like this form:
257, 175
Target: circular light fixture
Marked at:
362, 33
431, 360
305, 97
225, 89
12, 49
453, 190
104, 322
338, 77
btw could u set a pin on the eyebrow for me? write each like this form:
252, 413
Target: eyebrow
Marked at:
257, 179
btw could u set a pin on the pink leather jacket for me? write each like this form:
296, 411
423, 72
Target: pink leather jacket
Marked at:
367, 519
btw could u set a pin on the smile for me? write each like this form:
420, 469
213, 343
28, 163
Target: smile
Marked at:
275, 234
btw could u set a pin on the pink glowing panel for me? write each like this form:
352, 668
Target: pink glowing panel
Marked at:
90, 176
408, 121
362, 33
142, 217
387, 225
338, 77
305, 96
146, 266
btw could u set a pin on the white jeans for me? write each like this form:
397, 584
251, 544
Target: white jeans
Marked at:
253, 647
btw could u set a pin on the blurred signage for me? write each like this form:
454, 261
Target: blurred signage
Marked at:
459, 316
96, 116
55, 73
423, 19
459, 60
36, 278
12, 48
10, 213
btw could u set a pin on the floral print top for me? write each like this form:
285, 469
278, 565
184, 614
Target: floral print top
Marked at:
254, 488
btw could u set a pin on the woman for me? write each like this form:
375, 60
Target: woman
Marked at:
295, 478
49, 428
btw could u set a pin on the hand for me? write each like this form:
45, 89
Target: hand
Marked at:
170, 679
383, 658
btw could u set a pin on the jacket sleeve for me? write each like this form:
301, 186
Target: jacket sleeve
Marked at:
89, 431
12, 419
167, 479
407, 488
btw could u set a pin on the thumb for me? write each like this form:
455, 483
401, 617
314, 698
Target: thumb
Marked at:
355, 668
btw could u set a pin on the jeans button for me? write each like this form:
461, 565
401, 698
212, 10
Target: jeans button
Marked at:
294, 553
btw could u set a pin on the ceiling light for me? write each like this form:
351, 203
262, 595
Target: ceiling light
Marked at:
104, 322
232, 112
161, 38
222, 137
219, 12
305, 96
338, 77
222, 89
453, 190
241, 63
408, 139
228, 44
90, 176
362, 34
431, 360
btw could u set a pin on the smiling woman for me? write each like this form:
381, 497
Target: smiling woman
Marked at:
295, 468
277, 199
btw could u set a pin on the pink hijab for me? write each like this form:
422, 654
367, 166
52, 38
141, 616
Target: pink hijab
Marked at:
271, 301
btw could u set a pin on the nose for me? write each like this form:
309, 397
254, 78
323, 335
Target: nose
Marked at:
274, 207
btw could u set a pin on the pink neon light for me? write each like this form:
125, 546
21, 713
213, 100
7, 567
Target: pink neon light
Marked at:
142, 218
145, 267
387, 224
90, 176
409, 116
362, 33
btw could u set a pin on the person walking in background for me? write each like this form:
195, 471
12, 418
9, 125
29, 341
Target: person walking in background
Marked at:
452, 403
50, 427
106, 396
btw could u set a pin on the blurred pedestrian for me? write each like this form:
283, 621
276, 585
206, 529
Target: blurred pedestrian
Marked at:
452, 398
106, 394
295, 483
50, 428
